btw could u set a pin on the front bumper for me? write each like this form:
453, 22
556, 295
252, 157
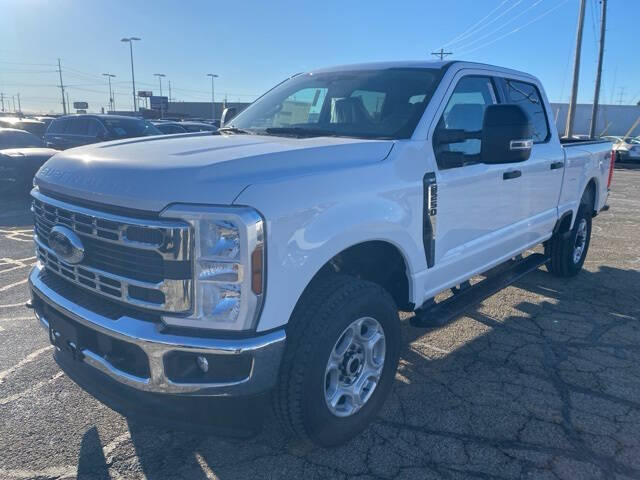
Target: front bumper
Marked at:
264, 352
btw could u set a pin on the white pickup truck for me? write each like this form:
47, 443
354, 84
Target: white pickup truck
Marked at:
271, 258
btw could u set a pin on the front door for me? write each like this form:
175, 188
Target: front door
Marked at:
478, 204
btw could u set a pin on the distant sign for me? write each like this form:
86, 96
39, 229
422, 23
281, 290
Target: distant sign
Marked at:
81, 110
159, 103
145, 93
80, 105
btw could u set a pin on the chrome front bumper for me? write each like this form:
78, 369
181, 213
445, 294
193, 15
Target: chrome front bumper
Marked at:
265, 350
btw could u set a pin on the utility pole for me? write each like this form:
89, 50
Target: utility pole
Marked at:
19, 107
68, 102
213, 101
596, 95
109, 77
568, 131
441, 53
169, 90
130, 40
160, 75
2, 100
13, 102
621, 96
64, 105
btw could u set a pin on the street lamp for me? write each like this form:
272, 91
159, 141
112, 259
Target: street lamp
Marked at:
160, 75
109, 77
130, 40
213, 101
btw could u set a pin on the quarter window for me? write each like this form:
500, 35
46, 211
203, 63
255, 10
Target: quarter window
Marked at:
528, 97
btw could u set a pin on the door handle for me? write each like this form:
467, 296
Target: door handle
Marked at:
556, 165
511, 174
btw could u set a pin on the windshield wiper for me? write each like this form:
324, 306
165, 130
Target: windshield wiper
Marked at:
302, 132
232, 129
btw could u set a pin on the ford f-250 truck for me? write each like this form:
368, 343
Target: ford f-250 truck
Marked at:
274, 255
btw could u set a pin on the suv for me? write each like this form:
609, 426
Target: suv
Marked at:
76, 130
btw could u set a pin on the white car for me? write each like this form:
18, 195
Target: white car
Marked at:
177, 272
627, 148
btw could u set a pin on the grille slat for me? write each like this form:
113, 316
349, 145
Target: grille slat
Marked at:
129, 270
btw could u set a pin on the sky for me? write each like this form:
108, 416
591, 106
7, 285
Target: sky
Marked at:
254, 44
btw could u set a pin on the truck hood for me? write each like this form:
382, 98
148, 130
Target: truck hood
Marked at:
150, 173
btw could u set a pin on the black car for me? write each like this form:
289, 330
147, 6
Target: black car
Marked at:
75, 130
169, 128
30, 125
21, 155
15, 138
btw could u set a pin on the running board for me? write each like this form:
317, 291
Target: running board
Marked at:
438, 314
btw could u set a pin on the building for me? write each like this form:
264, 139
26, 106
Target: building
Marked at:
612, 119
200, 109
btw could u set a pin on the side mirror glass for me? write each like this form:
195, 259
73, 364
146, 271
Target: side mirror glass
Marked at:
227, 114
507, 134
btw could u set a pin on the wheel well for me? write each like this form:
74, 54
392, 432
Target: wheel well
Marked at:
589, 196
376, 261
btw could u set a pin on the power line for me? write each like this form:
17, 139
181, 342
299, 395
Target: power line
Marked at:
500, 27
515, 30
473, 28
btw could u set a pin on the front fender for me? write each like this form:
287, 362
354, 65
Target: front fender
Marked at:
305, 230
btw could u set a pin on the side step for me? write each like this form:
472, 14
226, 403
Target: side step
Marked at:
438, 314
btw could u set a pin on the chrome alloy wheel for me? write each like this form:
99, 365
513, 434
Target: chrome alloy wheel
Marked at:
354, 367
581, 240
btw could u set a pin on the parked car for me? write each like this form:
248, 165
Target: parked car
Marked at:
169, 127
28, 124
18, 167
198, 126
15, 138
274, 257
627, 148
75, 130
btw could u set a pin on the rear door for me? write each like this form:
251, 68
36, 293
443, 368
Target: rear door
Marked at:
542, 173
477, 204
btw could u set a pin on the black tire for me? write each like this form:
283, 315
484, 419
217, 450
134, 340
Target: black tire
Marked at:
561, 247
327, 307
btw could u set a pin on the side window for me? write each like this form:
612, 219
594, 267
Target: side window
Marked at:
56, 126
464, 111
94, 127
528, 97
79, 126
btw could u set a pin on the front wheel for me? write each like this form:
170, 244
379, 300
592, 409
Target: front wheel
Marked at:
567, 255
343, 345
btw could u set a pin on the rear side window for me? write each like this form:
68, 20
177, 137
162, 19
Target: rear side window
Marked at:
528, 97
57, 126
79, 126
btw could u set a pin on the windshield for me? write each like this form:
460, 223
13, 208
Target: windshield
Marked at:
364, 104
129, 127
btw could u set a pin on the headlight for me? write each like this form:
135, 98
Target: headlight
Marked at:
228, 266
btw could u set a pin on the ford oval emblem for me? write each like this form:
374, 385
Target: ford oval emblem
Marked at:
66, 244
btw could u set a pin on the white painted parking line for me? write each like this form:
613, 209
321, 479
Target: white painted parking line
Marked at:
29, 358
11, 285
15, 264
15, 319
50, 472
13, 305
33, 388
16, 234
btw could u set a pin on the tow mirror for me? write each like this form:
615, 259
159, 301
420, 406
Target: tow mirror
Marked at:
227, 114
507, 134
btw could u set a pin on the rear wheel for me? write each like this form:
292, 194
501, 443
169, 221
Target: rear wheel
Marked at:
568, 252
343, 345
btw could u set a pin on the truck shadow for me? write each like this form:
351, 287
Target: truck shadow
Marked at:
550, 388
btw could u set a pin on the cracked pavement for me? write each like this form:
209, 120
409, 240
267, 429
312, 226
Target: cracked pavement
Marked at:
542, 380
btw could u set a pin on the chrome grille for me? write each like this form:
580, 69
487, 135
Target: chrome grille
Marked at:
145, 263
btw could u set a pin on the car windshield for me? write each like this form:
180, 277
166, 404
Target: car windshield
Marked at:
129, 127
18, 139
363, 104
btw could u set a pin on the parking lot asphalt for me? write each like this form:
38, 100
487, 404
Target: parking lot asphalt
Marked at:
542, 380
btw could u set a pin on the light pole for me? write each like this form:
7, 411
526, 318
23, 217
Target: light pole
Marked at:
130, 40
109, 77
213, 98
160, 75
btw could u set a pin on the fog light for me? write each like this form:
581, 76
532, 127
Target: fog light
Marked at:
203, 363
